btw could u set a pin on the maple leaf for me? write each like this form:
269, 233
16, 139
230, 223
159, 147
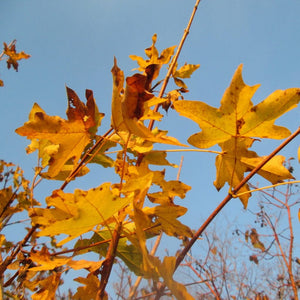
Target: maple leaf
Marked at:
13, 56
166, 216
117, 94
68, 138
90, 289
78, 213
47, 287
153, 55
166, 270
234, 127
184, 72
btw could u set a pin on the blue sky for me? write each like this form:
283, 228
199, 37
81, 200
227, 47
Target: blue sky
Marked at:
73, 42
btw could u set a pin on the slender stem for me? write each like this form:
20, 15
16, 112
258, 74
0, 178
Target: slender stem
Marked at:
11, 257
9, 46
291, 247
109, 260
267, 187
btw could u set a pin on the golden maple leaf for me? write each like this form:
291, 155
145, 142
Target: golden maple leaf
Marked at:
78, 213
234, 127
66, 138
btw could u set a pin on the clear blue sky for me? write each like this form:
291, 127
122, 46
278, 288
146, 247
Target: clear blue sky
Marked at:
73, 42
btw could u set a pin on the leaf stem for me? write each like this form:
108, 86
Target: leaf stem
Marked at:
266, 187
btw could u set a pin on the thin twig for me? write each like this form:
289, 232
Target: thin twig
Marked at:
175, 58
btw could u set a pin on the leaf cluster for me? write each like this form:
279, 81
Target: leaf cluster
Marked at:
116, 219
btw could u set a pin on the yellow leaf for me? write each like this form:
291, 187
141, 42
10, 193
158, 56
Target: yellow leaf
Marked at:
166, 270
180, 83
166, 216
158, 158
48, 287
116, 111
85, 264
67, 138
65, 171
78, 213
230, 168
46, 262
186, 71
274, 171
235, 125
237, 116
153, 56
89, 290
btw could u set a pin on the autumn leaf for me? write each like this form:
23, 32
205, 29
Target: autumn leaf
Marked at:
90, 289
133, 108
13, 56
68, 138
153, 56
166, 270
235, 126
47, 287
166, 216
78, 213
117, 94
184, 72
254, 238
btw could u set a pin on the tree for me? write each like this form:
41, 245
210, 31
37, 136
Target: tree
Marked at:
116, 219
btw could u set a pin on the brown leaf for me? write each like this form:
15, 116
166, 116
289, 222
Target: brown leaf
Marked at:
135, 96
13, 56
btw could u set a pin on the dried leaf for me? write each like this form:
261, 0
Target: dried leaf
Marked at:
13, 56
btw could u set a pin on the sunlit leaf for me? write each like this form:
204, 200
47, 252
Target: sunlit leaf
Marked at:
75, 214
68, 138
166, 270
235, 125
89, 290
185, 71
167, 216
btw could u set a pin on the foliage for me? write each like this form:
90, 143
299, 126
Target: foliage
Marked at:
116, 219
12, 57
